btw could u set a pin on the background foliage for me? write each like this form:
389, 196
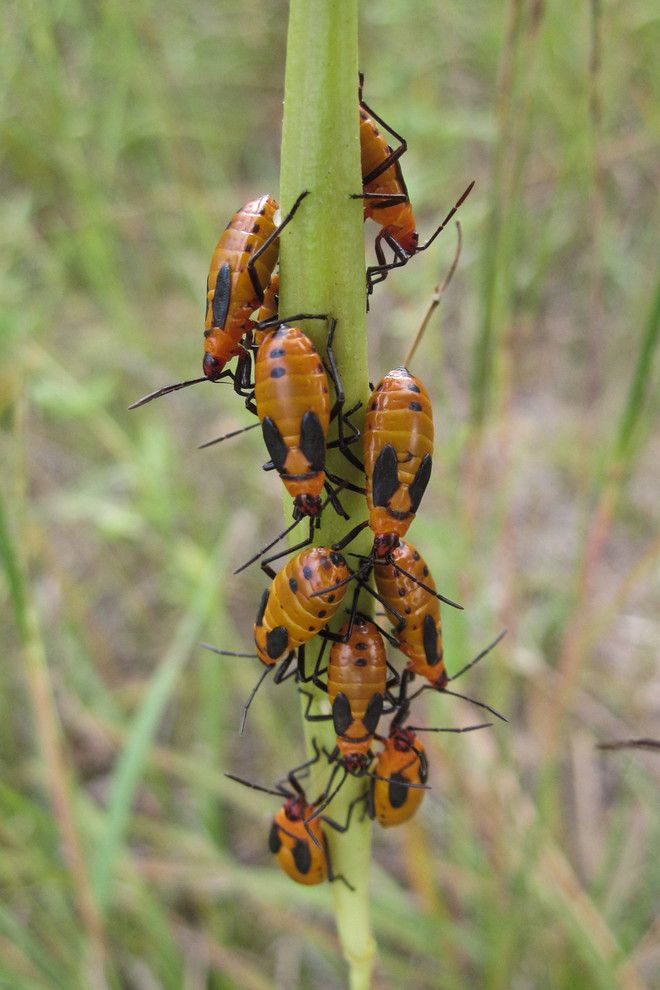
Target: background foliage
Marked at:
128, 135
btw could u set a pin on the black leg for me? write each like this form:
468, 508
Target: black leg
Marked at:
350, 536
269, 240
306, 713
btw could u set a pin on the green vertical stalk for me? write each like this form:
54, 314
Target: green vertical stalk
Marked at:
323, 271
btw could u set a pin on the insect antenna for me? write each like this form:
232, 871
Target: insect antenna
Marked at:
324, 802
473, 701
226, 436
355, 575
479, 656
444, 223
165, 390
258, 787
228, 653
247, 704
277, 539
425, 587
465, 728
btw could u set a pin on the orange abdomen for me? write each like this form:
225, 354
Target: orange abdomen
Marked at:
293, 405
296, 853
398, 449
357, 675
398, 220
288, 616
231, 295
421, 638
402, 762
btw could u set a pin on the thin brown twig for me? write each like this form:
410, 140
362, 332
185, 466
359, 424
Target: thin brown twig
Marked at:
435, 298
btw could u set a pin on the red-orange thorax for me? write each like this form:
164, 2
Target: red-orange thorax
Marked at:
288, 616
290, 842
293, 405
398, 220
398, 448
402, 761
357, 675
421, 638
232, 295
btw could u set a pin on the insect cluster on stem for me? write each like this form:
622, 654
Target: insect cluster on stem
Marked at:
286, 384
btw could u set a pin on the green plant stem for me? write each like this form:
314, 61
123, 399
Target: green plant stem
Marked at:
322, 265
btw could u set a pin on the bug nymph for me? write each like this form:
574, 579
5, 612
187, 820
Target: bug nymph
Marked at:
396, 790
398, 458
402, 761
386, 199
239, 276
301, 849
357, 686
292, 402
406, 586
291, 612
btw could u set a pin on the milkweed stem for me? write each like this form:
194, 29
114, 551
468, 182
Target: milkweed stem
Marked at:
323, 271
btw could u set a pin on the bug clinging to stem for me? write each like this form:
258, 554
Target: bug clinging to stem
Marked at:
239, 277
297, 838
385, 195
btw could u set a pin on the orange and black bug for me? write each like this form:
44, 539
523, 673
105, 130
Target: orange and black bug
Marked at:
239, 275
407, 590
301, 849
291, 612
357, 687
398, 458
292, 401
386, 196
402, 761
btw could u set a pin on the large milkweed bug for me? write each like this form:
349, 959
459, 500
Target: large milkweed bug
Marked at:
408, 592
402, 761
292, 401
357, 687
398, 457
239, 276
301, 848
294, 609
386, 197
398, 441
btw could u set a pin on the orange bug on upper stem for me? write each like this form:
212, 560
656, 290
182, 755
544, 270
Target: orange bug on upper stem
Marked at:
239, 275
386, 198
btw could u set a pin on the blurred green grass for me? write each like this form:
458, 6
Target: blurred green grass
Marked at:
128, 135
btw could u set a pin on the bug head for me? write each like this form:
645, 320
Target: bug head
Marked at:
295, 808
384, 543
406, 236
403, 740
212, 367
306, 505
357, 764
